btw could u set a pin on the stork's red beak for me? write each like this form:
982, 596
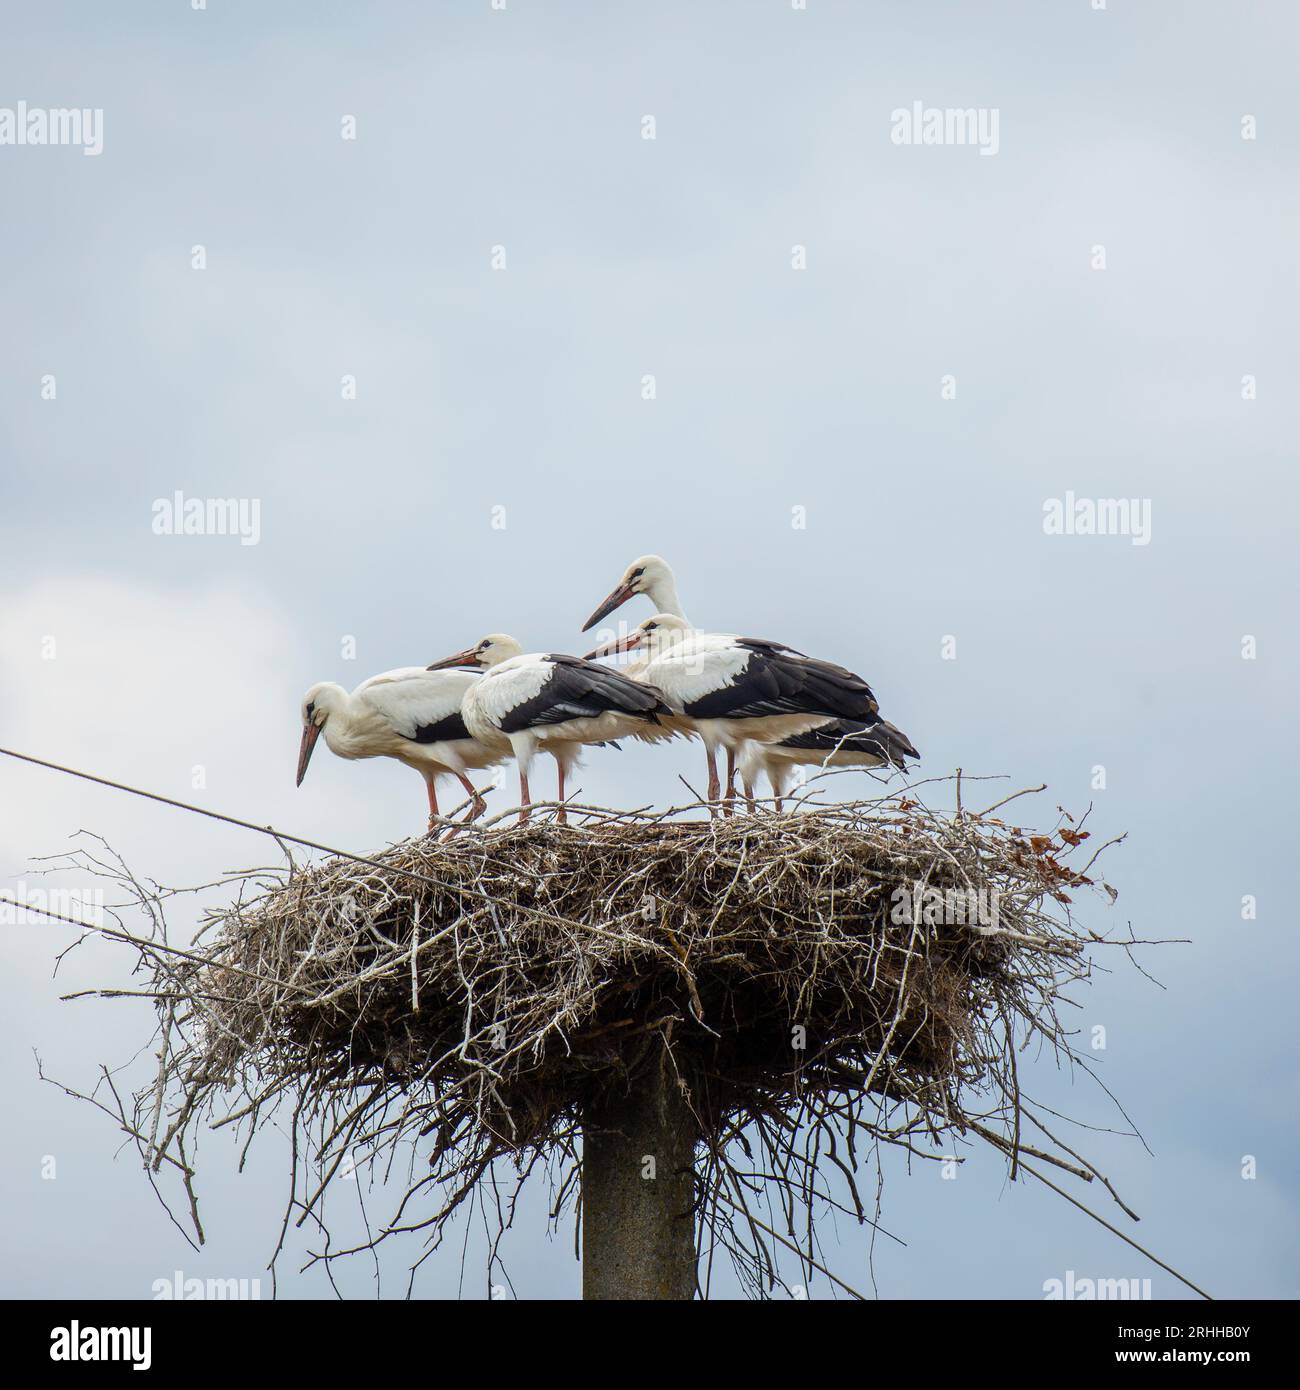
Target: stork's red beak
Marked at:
469, 657
310, 733
616, 600
619, 644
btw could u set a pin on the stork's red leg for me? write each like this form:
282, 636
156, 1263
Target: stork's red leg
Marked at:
433, 804
477, 804
562, 815
714, 788
730, 797
523, 797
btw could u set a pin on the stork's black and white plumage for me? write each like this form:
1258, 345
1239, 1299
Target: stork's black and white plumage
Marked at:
837, 743
652, 576
731, 689
409, 714
523, 703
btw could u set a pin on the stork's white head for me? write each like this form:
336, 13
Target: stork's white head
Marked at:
322, 700
648, 575
491, 650
656, 633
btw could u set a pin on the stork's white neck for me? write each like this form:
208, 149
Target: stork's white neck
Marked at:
340, 711
662, 593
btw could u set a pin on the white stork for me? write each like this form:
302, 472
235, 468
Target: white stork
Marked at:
409, 714
731, 689
556, 703
837, 743
651, 576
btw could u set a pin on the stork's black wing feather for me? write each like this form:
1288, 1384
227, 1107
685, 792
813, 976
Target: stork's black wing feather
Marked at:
779, 680
578, 689
444, 730
850, 735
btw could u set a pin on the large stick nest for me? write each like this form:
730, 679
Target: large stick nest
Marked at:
810, 979
526, 970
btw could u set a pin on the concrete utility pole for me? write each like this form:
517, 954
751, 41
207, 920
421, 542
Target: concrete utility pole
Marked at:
638, 1232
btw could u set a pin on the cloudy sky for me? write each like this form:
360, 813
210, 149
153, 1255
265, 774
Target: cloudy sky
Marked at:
875, 366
